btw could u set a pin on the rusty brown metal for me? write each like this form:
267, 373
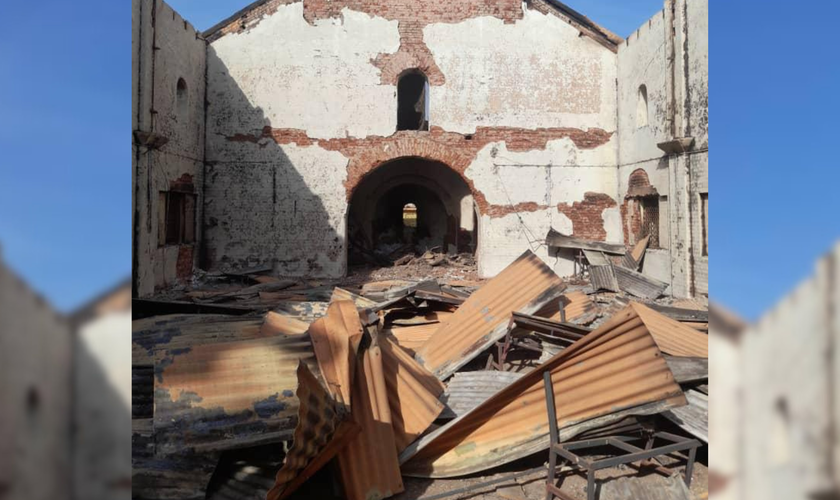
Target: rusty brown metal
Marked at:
214, 396
342, 294
611, 373
673, 337
335, 338
368, 464
317, 438
412, 337
526, 285
413, 393
281, 324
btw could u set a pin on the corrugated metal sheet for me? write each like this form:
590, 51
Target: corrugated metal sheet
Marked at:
687, 369
613, 372
576, 305
673, 337
693, 418
412, 337
342, 294
318, 419
304, 311
176, 476
368, 464
596, 258
215, 396
176, 331
280, 324
526, 286
560, 240
603, 278
413, 394
638, 284
335, 339
466, 390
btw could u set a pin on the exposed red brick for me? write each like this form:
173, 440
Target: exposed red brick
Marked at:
587, 215
412, 54
249, 18
631, 213
450, 148
183, 184
438, 11
184, 265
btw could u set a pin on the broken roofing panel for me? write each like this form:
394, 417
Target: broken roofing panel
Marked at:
368, 464
214, 396
638, 284
316, 438
614, 371
342, 294
693, 418
526, 286
603, 278
335, 339
412, 337
280, 324
466, 390
560, 240
413, 394
673, 337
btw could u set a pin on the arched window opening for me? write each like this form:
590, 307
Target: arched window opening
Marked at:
181, 96
413, 102
410, 215
642, 107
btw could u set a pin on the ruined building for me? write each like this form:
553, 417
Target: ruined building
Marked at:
295, 131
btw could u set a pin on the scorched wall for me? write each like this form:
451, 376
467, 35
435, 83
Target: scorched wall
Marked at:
302, 106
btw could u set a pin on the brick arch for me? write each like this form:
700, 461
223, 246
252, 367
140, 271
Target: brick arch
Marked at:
410, 145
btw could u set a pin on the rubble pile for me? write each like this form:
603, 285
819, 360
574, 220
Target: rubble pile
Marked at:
375, 382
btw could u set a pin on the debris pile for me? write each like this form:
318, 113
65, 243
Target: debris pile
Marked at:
384, 381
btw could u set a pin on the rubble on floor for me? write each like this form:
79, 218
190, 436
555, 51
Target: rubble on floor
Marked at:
367, 387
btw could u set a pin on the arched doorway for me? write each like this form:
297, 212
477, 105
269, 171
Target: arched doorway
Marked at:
410, 203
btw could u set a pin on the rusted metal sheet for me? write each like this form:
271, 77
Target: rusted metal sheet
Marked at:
638, 252
280, 324
638, 284
576, 305
175, 476
342, 294
526, 286
335, 339
215, 396
603, 278
559, 240
368, 464
466, 390
614, 372
673, 337
413, 394
319, 418
412, 337
178, 331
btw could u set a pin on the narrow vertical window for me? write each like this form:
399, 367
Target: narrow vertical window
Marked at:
181, 98
650, 220
176, 218
642, 107
413, 102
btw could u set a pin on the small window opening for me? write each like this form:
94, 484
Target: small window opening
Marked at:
650, 220
176, 218
642, 107
181, 96
33, 401
704, 215
780, 435
413, 102
410, 215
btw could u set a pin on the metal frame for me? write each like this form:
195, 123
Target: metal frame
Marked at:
634, 453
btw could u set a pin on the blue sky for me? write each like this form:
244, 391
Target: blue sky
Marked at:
65, 175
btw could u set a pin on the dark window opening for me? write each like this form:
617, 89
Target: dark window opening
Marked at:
642, 107
33, 401
413, 102
650, 220
704, 215
176, 218
181, 96
410, 215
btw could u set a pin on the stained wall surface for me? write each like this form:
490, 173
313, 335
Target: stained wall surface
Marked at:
302, 105
168, 66
35, 387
